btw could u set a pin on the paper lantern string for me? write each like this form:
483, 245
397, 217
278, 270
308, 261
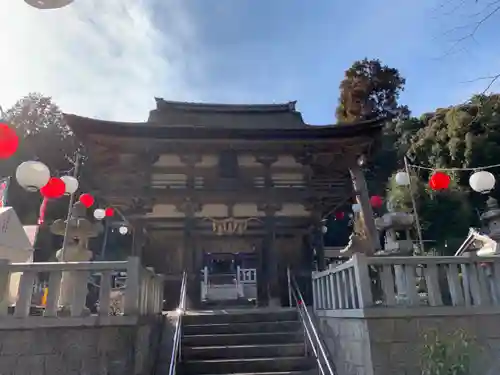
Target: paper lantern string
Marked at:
454, 169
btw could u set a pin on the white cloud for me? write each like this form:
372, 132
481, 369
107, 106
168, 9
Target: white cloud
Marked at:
100, 58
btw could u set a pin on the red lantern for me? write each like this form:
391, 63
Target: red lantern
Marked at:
109, 212
9, 141
339, 215
55, 188
376, 201
439, 181
87, 200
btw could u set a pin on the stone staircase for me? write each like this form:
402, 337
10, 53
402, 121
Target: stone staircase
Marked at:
256, 341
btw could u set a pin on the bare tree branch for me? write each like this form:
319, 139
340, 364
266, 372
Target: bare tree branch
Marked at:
488, 10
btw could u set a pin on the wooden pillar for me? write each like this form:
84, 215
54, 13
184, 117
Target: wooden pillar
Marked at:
188, 253
363, 199
318, 241
304, 273
267, 273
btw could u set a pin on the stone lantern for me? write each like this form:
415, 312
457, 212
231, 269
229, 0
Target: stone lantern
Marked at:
79, 231
396, 227
491, 218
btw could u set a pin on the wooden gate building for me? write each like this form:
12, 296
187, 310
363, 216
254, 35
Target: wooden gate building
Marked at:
198, 179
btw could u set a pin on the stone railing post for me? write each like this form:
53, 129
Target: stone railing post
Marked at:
363, 283
52, 302
132, 291
4, 286
24, 295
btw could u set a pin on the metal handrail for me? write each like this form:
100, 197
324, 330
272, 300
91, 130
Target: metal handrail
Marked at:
311, 332
176, 348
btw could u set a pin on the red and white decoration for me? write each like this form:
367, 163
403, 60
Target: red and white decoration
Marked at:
376, 201
87, 200
9, 141
480, 181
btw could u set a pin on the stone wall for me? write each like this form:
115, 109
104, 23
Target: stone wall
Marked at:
381, 345
82, 346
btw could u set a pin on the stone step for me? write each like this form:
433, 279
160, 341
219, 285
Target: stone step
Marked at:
242, 351
243, 339
254, 327
248, 365
239, 316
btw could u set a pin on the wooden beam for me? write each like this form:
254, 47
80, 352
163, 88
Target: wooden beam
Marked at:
256, 195
250, 171
127, 145
282, 232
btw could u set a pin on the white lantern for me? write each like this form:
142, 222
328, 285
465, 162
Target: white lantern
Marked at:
48, 4
32, 175
356, 207
324, 229
123, 230
402, 179
483, 182
99, 214
71, 184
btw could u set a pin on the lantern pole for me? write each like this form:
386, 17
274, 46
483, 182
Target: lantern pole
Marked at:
414, 204
76, 164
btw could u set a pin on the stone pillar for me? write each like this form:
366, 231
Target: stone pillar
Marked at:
363, 199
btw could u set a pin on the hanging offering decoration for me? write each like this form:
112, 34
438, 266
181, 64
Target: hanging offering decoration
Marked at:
376, 201
439, 181
54, 189
9, 141
402, 178
482, 182
87, 200
32, 175
99, 213
71, 184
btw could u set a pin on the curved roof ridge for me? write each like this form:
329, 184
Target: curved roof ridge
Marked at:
162, 104
70, 117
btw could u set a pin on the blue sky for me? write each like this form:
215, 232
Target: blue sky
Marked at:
109, 58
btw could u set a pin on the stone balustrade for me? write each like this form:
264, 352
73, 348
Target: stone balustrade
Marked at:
419, 282
142, 295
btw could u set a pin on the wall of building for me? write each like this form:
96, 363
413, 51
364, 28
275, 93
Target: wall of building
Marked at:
82, 346
388, 344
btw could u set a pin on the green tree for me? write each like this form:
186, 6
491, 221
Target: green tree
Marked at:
462, 136
44, 136
370, 90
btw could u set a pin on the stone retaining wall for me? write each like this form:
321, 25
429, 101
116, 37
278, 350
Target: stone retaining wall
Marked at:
382, 345
83, 346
